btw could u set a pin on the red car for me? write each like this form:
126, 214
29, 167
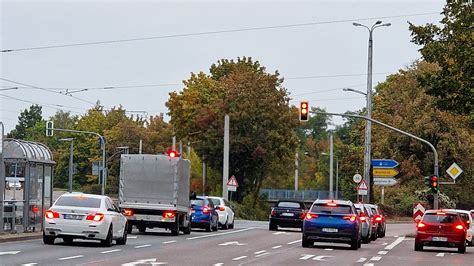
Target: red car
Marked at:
441, 229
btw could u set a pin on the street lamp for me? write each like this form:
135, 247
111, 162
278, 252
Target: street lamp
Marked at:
356, 91
71, 160
368, 129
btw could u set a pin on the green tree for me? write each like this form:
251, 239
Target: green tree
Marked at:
26, 121
451, 47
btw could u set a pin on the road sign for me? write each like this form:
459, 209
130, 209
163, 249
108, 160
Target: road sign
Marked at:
385, 181
232, 184
362, 192
384, 163
357, 178
384, 172
454, 171
362, 188
418, 211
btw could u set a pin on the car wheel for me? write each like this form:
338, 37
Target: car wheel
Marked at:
462, 249
209, 227
68, 240
231, 226
123, 239
382, 235
366, 240
305, 242
108, 241
225, 226
215, 228
142, 229
272, 226
418, 247
374, 236
354, 244
48, 240
187, 230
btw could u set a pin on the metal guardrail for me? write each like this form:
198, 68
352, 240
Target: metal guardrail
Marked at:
306, 195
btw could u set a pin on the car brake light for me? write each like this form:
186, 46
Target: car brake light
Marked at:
127, 212
378, 219
420, 225
206, 210
51, 214
332, 204
96, 217
310, 216
350, 218
169, 214
302, 215
221, 208
274, 213
363, 218
460, 227
440, 213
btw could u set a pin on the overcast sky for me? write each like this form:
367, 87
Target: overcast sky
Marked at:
316, 60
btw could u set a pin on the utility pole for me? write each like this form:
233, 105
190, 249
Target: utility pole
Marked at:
225, 168
331, 170
2, 179
296, 172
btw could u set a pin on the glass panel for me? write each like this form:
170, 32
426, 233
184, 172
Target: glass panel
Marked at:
47, 186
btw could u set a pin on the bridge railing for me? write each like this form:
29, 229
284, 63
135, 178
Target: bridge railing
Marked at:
305, 195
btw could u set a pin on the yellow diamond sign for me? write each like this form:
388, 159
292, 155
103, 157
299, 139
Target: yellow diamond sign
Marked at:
454, 171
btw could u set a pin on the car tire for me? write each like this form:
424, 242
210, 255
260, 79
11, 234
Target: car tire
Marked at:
462, 248
231, 226
68, 240
305, 242
354, 244
418, 247
108, 240
225, 226
142, 229
272, 226
216, 228
382, 235
129, 228
123, 239
187, 230
209, 227
48, 240
374, 236
366, 240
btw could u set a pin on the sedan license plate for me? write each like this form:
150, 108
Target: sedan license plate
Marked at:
288, 214
73, 217
330, 230
441, 239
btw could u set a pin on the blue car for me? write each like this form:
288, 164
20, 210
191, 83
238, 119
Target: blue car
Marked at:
334, 221
204, 214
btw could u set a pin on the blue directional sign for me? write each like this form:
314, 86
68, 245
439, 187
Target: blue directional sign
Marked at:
384, 163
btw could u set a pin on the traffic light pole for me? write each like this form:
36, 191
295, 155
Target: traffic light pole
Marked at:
435, 153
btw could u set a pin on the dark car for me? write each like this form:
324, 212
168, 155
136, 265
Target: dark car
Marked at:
378, 219
287, 214
441, 229
204, 214
333, 221
372, 215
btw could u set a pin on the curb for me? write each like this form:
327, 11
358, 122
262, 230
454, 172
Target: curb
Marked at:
13, 237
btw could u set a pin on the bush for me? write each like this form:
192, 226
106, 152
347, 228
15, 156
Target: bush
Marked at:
245, 210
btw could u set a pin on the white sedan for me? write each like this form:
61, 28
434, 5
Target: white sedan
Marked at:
225, 212
84, 216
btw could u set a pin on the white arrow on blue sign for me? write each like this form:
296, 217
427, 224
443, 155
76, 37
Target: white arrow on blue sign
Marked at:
384, 163
384, 181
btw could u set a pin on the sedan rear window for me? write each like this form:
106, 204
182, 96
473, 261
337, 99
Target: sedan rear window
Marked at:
440, 218
286, 204
197, 202
79, 201
216, 202
338, 209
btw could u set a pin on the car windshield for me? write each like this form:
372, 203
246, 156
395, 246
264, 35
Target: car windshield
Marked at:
79, 201
338, 209
287, 204
216, 202
439, 218
197, 202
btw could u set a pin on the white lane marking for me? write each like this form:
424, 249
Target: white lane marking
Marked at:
110, 251
382, 252
396, 242
395, 236
275, 247
329, 249
280, 233
29, 264
293, 242
259, 252
72, 257
384, 244
263, 254
169, 242
368, 264
376, 258
132, 237
220, 234
322, 258
144, 261
306, 256
239, 258
218, 264
9, 252
232, 243
143, 246
440, 255
361, 260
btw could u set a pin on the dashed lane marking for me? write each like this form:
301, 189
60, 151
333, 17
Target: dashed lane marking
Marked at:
110, 251
169, 242
143, 246
275, 247
376, 258
322, 258
361, 260
382, 252
29, 264
368, 264
329, 249
259, 252
306, 256
293, 242
384, 244
440, 255
396, 242
220, 234
280, 233
132, 237
9, 252
263, 254
72, 257
239, 258
218, 264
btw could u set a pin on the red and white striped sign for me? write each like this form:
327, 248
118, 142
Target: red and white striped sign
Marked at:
418, 211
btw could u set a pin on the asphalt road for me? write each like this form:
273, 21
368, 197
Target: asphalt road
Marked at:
250, 243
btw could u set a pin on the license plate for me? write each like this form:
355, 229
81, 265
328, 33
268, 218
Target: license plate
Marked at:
288, 214
72, 217
442, 239
330, 230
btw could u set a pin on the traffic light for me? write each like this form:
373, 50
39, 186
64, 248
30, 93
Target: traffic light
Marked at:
304, 111
172, 153
434, 183
49, 128
427, 180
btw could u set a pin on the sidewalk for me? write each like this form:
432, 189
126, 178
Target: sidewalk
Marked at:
9, 237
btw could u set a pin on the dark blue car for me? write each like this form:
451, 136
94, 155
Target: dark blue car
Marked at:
204, 214
333, 221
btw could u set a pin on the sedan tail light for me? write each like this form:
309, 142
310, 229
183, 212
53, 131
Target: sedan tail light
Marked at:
221, 208
363, 218
206, 210
169, 214
310, 216
273, 213
420, 225
378, 218
350, 218
51, 214
96, 217
459, 227
302, 214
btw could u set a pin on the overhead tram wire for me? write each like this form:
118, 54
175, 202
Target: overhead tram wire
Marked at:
52, 106
214, 32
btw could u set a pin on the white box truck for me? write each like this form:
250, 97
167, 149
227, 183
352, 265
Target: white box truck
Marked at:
154, 192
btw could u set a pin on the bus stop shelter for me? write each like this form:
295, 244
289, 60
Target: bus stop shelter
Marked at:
27, 189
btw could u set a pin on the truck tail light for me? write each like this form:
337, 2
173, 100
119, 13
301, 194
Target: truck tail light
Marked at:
350, 218
51, 214
169, 214
96, 217
310, 216
127, 212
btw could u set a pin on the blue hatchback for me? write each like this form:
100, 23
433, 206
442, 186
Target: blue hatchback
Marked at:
204, 214
333, 221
